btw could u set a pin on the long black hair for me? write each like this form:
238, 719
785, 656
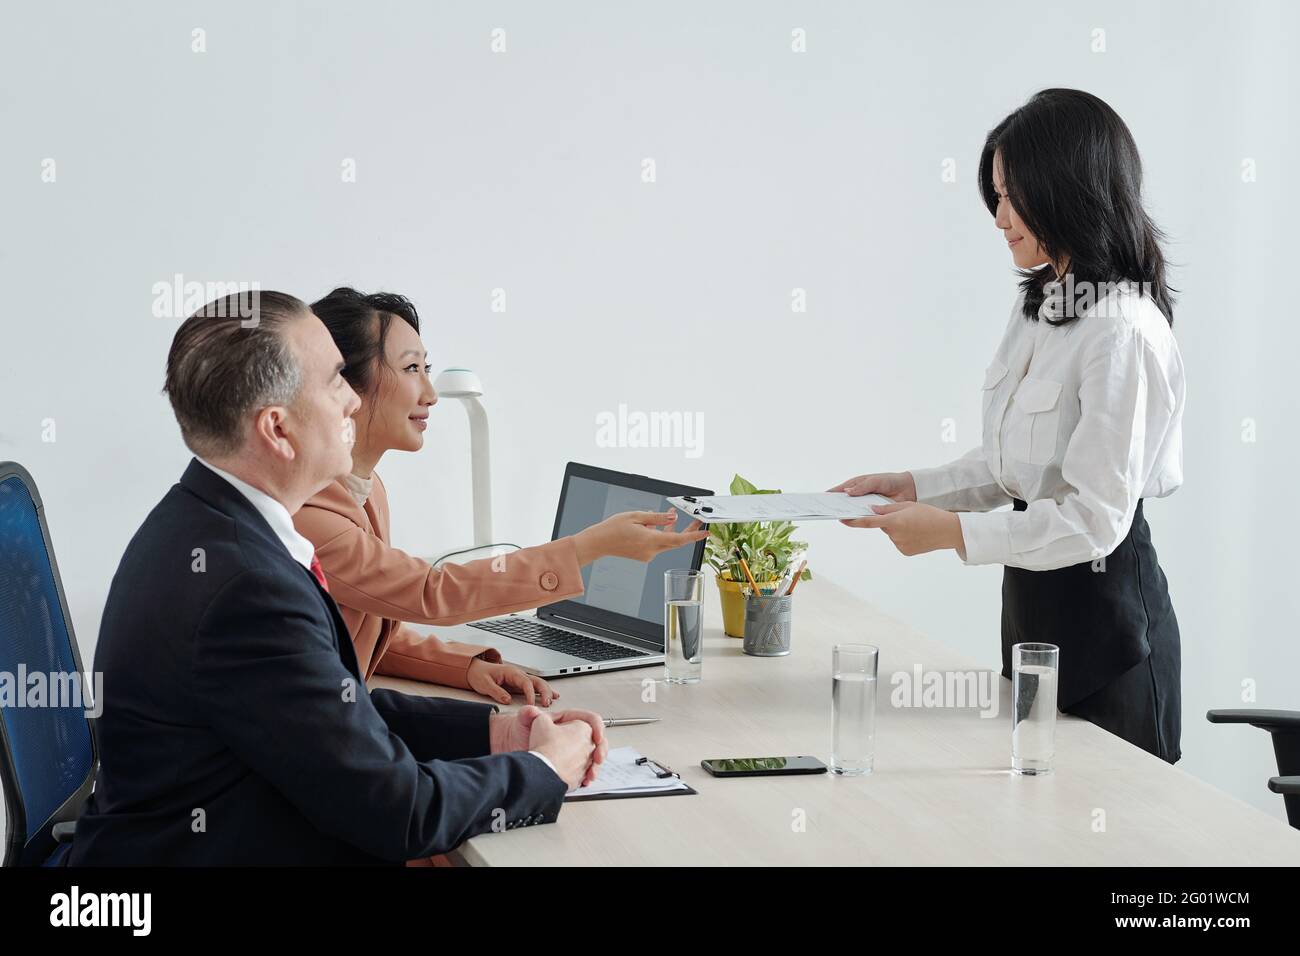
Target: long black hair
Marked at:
1073, 174
359, 326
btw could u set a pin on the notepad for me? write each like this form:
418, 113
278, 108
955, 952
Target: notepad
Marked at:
824, 506
620, 775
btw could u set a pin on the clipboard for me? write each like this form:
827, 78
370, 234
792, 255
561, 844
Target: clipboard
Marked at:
661, 772
684, 790
822, 506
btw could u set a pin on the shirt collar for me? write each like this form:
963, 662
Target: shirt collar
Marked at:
276, 515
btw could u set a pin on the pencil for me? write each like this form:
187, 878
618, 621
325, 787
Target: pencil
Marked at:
745, 567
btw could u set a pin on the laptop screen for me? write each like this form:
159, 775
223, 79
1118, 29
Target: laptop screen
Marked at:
620, 593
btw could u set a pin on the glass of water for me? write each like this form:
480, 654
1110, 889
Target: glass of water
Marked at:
853, 708
683, 626
1033, 707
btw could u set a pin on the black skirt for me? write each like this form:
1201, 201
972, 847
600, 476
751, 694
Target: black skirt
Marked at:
1121, 658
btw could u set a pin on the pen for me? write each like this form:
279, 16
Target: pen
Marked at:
795, 582
625, 721
787, 579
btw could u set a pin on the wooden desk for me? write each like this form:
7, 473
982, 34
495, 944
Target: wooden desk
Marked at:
942, 791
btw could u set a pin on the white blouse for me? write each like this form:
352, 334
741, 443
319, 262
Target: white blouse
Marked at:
1080, 421
359, 488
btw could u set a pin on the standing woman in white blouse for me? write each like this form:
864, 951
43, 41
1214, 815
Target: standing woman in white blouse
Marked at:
1082, 420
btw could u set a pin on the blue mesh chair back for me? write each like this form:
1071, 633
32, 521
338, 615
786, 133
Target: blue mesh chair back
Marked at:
48, 755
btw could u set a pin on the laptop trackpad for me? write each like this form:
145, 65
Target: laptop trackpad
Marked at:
525, 654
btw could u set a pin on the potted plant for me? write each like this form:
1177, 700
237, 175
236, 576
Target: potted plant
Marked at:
767, 547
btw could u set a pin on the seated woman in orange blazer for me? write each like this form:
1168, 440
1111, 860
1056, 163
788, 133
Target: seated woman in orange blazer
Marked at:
377, 587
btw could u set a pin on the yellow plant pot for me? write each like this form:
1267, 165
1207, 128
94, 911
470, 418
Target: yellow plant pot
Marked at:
733, 604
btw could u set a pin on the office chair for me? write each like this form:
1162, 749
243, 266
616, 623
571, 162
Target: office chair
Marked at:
48, 754
1284, 725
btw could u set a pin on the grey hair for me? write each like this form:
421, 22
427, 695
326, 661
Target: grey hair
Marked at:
227, 361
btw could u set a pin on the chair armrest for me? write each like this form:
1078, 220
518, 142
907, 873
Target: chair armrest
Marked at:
1287, 786
1270, 720
62, 832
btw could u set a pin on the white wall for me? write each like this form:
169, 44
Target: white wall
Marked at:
776, 170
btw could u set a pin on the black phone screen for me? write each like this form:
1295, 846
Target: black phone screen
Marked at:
761, 766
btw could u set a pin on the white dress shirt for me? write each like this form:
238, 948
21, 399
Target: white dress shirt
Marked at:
276, 515
1080, 421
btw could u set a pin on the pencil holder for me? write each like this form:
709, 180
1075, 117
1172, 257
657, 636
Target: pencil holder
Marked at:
768, 625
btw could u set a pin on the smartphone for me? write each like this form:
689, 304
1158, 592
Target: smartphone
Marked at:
762, 766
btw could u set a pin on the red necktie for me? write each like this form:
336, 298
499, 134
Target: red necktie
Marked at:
318, 574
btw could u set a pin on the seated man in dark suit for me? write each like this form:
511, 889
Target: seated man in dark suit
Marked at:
236, 728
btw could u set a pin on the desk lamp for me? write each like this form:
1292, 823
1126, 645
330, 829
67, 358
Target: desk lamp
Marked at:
464, 385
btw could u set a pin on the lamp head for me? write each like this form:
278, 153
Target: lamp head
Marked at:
458, 383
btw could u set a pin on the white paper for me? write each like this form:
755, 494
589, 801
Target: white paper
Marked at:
620, 773
824, 506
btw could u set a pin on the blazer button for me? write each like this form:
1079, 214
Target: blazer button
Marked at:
549, 581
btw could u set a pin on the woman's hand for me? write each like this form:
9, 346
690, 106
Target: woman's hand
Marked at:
913, 528
639, 535
896, 485
498, 680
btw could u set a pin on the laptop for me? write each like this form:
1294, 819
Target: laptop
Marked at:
618, 620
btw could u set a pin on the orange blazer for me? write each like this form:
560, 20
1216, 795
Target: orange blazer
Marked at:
377, 587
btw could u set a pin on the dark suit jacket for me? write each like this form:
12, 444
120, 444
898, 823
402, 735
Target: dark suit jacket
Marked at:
236, 728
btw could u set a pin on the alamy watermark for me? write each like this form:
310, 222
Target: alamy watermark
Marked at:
1070, 299
177, 299
637, 429
75, 908
945, 689
61, 689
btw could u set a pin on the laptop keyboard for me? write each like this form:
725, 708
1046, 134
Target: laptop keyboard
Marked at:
555, 639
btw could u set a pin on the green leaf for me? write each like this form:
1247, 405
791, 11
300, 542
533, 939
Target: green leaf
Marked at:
739, 486
767, 547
